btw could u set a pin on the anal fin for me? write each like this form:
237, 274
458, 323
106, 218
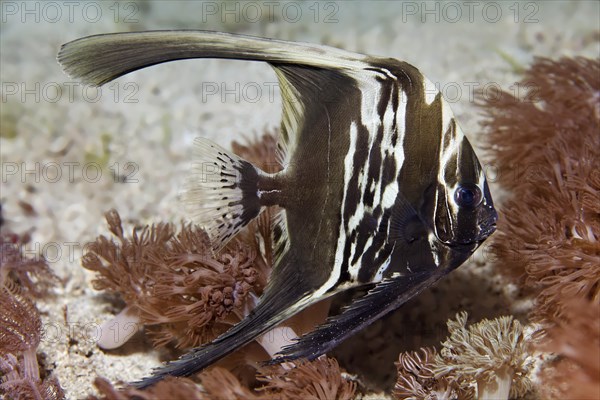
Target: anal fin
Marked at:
276, 305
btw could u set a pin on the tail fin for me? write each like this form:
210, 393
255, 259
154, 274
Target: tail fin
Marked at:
222, 193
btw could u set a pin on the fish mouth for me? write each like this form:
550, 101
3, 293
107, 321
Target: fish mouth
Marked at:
487, 232
489, 227
472, 245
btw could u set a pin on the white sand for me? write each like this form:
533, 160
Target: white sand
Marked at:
153, 115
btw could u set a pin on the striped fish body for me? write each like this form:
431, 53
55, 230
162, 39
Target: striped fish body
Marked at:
384, 164
380, 186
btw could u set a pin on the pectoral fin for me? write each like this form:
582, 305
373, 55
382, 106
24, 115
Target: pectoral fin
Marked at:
385, 297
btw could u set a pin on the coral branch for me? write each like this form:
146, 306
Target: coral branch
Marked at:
20, 325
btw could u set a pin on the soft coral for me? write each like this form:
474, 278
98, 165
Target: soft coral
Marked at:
548, 152
20, 325
171, 281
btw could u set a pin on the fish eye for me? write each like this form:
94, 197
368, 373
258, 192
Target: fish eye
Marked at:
468, 195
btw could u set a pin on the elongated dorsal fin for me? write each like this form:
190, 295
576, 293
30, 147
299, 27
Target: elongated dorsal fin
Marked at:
99, 59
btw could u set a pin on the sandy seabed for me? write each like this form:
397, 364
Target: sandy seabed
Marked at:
73, 152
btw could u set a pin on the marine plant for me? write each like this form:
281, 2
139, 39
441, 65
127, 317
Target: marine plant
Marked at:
171, 282
493, 353
575, 373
